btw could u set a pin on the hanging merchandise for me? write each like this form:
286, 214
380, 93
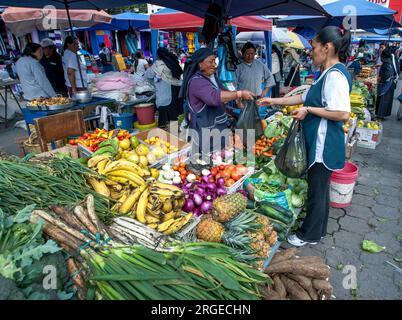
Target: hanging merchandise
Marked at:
131, 41
179, 37
213, 22
227, 59
196, 43
190, 41
171, 40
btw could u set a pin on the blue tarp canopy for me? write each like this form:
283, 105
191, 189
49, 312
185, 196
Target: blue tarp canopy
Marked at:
123, 21
368, 15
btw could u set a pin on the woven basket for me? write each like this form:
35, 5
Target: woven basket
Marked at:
31, 145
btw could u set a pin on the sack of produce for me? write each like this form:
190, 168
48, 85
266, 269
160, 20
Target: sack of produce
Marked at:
249, 119
292, 158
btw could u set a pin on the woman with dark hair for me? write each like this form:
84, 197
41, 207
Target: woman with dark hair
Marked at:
140, 64
166, 74
32, 75
326, 108
205, 98
388, 77
72, 73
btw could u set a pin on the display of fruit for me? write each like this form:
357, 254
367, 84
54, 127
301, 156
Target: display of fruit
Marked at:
263, 146
165, 146
229, 206
287, 110
229, 172
373, 125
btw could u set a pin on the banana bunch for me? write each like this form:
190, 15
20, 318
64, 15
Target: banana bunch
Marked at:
108, 147
357, 100
159, 207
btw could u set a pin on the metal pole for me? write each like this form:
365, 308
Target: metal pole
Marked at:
73, 35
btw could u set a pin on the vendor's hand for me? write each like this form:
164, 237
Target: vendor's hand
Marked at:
265, 102
299, 114
240, 104
247, 95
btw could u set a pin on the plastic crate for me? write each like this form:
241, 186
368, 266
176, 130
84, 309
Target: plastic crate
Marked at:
239, 183
369, 138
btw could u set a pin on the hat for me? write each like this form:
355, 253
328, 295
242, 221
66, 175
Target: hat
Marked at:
46, 43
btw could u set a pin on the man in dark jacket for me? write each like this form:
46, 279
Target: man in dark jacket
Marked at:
53, 65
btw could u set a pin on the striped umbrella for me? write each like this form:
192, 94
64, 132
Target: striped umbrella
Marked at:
299, 42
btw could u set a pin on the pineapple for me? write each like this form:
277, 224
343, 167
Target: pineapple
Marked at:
245, 221
256, 236
273, 238
229, 206
267, 228
212, 231
264, 250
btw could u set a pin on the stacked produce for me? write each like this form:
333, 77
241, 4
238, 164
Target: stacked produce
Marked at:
189, 271
298, 278
366, 72
61, 181
158, 142
24, 253
373, 125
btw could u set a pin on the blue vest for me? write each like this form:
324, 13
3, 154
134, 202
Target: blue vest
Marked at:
334, 146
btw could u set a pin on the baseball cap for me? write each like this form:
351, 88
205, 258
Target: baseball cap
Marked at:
46, 43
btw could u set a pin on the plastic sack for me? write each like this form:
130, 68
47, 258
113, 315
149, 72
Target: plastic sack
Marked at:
249, 119
291, 160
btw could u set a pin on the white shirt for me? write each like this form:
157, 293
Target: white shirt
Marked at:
70, 61
33, 79
335, 97
275, 63
141, 67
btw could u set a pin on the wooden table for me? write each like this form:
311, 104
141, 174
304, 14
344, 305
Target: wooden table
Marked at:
6, 85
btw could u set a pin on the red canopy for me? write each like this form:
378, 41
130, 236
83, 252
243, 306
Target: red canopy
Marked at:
181, 21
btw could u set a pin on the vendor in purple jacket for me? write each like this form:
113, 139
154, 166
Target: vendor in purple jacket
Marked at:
205, 99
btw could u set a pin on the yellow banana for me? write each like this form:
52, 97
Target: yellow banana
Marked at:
116, 195
167, 186
134, 179
111, 183
169, 216
99, 186
119, 179
163, 192
178, 224
102, 164
117, 187
167, 206
154, 213
153, 225
142, 206
130, 201
165, 225
151, 219
124, 165
92, 163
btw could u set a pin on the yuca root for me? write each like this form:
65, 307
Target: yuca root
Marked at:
324, 288
283, 255
270, 294
279, 287
295, 291
306, 284
317, 271
76, 274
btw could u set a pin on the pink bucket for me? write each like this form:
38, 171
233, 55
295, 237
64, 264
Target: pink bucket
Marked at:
342, 183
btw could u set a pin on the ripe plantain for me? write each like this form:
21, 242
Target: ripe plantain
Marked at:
142, 206
99, 186
168, 216
165, 225
151, 219
178, 224
130, 200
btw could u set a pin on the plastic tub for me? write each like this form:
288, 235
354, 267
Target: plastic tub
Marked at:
145, 113
123, 121
342, 183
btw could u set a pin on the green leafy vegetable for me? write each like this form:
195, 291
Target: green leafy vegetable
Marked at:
371, 246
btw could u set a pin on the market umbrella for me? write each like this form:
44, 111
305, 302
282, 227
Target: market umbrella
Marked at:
21, 21
122, 21
299, 42
278, 35
367, 14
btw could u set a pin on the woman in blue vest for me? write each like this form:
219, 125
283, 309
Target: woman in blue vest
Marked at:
205, 100
326, 108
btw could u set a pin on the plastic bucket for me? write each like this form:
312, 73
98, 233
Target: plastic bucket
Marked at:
342, 183
145, 113
145, 127
123, 121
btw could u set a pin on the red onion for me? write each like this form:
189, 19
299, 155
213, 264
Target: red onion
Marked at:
197, 198
188, 205
220, 191
220, 182
197, 212
206, 206
211, 186
205, 179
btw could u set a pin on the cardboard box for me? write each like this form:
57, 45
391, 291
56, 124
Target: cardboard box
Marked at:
369, 138
69, 150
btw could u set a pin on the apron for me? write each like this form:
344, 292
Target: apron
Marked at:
206, 119
334, 146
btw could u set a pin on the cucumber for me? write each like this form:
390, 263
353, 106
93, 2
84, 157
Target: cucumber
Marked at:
280, 209
251, 204
278, 227
282, 236
274, 214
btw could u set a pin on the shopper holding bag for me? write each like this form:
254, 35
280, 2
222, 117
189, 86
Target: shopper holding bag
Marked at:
326, 108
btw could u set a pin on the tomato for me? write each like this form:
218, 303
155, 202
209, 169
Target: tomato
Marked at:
226, 175
242, 170
175, 168
230, 167
86, 135
236, 176
182, 165
229, 183
71, 141
218, 176
182, 170
120, 138
214, 172
222, 167
183, 177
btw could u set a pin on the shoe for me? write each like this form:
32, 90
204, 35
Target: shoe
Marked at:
294, 240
